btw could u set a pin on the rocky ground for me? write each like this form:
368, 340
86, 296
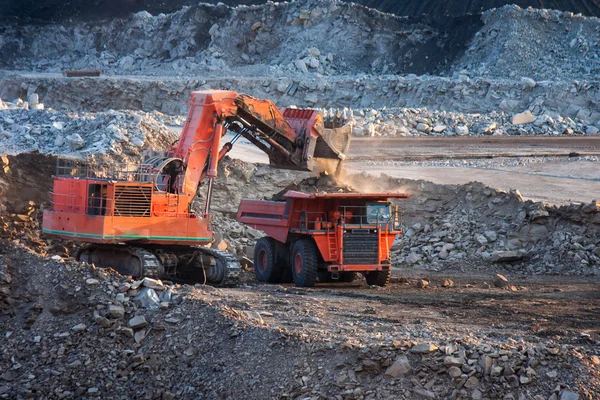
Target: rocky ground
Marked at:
492, 296
461, 331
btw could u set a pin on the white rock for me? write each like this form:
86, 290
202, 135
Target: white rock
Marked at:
528, 82
523, 118
213, 29
301, 65
137, 142
75, 141
422, 127
439, 128
79, 328
126, 63
461, 130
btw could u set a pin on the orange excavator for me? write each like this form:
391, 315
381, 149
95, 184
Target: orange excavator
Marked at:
139, 220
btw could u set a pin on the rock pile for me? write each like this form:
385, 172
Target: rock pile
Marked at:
476, 225
423, 122
540, 44
221, 39
123, 135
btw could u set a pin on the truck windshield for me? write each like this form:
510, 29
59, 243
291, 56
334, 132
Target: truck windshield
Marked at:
378, 212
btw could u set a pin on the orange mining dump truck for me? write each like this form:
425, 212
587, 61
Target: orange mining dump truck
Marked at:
139, 220
323, 237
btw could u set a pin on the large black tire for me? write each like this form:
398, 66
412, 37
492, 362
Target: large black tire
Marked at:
305, 263
266, 267
347, 277
378, 278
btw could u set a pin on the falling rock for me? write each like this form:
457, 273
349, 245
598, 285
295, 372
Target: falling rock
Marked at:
500, 281
424, 348
523, 118
137, 322
92, 281
115, 311
400, 368
439, 128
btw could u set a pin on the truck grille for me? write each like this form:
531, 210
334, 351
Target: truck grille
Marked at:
361, 247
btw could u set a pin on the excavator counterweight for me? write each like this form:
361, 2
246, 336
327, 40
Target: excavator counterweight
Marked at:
139, 220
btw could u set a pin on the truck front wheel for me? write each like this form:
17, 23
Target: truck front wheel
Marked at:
304, 263
266, 267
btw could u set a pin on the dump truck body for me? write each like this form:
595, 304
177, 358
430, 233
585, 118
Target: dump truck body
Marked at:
349, 232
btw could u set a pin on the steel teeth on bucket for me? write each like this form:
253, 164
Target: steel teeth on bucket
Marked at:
335, 118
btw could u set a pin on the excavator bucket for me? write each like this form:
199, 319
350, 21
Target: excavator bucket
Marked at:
325, 139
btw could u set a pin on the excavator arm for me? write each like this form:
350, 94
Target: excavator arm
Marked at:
292, 138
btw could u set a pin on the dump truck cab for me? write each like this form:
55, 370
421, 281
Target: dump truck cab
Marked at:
323, 236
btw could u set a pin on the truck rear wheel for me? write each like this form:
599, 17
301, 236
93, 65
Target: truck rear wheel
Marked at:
378, 278
305, 263
266, 267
